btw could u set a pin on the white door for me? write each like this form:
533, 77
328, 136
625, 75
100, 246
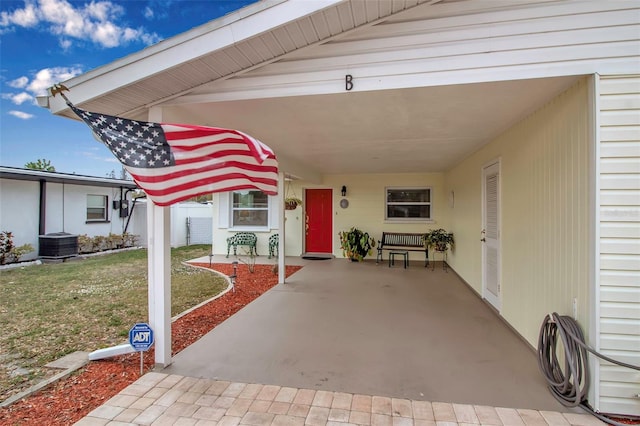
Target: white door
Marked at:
491, 234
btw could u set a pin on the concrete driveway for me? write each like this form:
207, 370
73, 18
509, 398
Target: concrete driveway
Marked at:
369, 329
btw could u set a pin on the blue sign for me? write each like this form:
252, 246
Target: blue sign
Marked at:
141, 336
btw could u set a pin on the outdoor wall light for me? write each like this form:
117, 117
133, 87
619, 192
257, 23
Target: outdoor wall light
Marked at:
344, 191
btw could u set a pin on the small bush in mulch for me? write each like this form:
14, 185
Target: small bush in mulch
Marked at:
69, 400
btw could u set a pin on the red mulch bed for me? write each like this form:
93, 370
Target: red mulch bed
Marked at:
69, 400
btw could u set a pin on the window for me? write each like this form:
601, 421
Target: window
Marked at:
96, 208
249, 209
408, 204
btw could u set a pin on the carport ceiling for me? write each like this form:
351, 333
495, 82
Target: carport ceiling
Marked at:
428, 129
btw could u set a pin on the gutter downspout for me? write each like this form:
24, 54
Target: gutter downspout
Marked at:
43, 207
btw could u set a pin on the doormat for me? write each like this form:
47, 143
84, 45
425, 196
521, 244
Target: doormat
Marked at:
317, 256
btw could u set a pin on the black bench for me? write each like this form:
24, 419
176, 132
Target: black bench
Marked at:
402, 240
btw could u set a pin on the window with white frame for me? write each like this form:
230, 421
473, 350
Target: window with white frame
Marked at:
97, 208
249, 209
407, 204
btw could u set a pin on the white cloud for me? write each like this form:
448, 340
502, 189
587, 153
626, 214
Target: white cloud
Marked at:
38, 86
96, 21
47, 77
21, 97
65, 44
19, 83
26, 17
20, 114
148, 13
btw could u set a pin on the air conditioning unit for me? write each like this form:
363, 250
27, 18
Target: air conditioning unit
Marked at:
58, 245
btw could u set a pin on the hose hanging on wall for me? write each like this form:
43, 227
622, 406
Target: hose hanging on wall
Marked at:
569, 384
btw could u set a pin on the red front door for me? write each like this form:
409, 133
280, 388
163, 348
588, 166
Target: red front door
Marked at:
318, 221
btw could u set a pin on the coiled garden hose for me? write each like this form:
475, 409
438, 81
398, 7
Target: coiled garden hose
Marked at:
569, 384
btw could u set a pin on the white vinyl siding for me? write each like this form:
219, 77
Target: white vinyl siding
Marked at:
619, 242
430, 46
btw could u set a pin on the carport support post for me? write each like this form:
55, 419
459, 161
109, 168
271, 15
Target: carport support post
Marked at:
159, 270
281, 225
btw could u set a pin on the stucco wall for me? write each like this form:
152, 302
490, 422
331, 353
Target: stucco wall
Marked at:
19, 212
366, 196
545, 213
66, 210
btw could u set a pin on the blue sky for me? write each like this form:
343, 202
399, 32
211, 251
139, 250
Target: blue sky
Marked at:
43, 42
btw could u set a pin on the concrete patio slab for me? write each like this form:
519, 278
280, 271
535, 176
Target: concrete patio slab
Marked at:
361, 328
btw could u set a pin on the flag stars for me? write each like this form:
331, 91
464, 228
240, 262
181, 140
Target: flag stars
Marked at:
134, 143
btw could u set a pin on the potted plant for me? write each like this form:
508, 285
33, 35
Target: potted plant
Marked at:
356, 244
291, 203
438, 240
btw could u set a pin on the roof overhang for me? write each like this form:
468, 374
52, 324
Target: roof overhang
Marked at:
216, 75
54, 177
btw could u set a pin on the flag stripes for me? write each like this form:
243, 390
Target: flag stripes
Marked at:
174, 162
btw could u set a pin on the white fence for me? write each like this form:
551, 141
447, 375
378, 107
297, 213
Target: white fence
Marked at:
191, 223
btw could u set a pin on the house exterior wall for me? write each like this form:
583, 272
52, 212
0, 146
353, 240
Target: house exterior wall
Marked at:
19, 212
222, 228
67, 210
366, 211
545, 214
366, 196
66, 207
618, 241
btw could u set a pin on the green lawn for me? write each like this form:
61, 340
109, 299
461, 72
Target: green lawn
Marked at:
51, 310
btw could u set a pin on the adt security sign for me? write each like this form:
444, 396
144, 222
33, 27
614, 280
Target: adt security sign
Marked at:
141, 336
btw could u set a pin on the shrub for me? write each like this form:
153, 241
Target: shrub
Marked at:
6, 245
85, 244
10, 253
112, 241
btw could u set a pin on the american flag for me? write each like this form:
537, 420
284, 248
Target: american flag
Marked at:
174, 162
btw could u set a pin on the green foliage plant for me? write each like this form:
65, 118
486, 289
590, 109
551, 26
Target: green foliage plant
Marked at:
356, 244
291, 203
438, 239
41, 164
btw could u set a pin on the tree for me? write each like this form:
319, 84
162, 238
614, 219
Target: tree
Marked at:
41, 164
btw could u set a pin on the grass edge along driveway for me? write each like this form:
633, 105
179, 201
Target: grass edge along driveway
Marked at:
50, 310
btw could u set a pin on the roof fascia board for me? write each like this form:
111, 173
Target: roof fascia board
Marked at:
216, 35
55, 177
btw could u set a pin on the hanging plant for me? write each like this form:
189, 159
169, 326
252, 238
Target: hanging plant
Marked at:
439, 240
291, 202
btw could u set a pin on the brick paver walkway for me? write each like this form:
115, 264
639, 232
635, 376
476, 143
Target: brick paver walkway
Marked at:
161, 399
